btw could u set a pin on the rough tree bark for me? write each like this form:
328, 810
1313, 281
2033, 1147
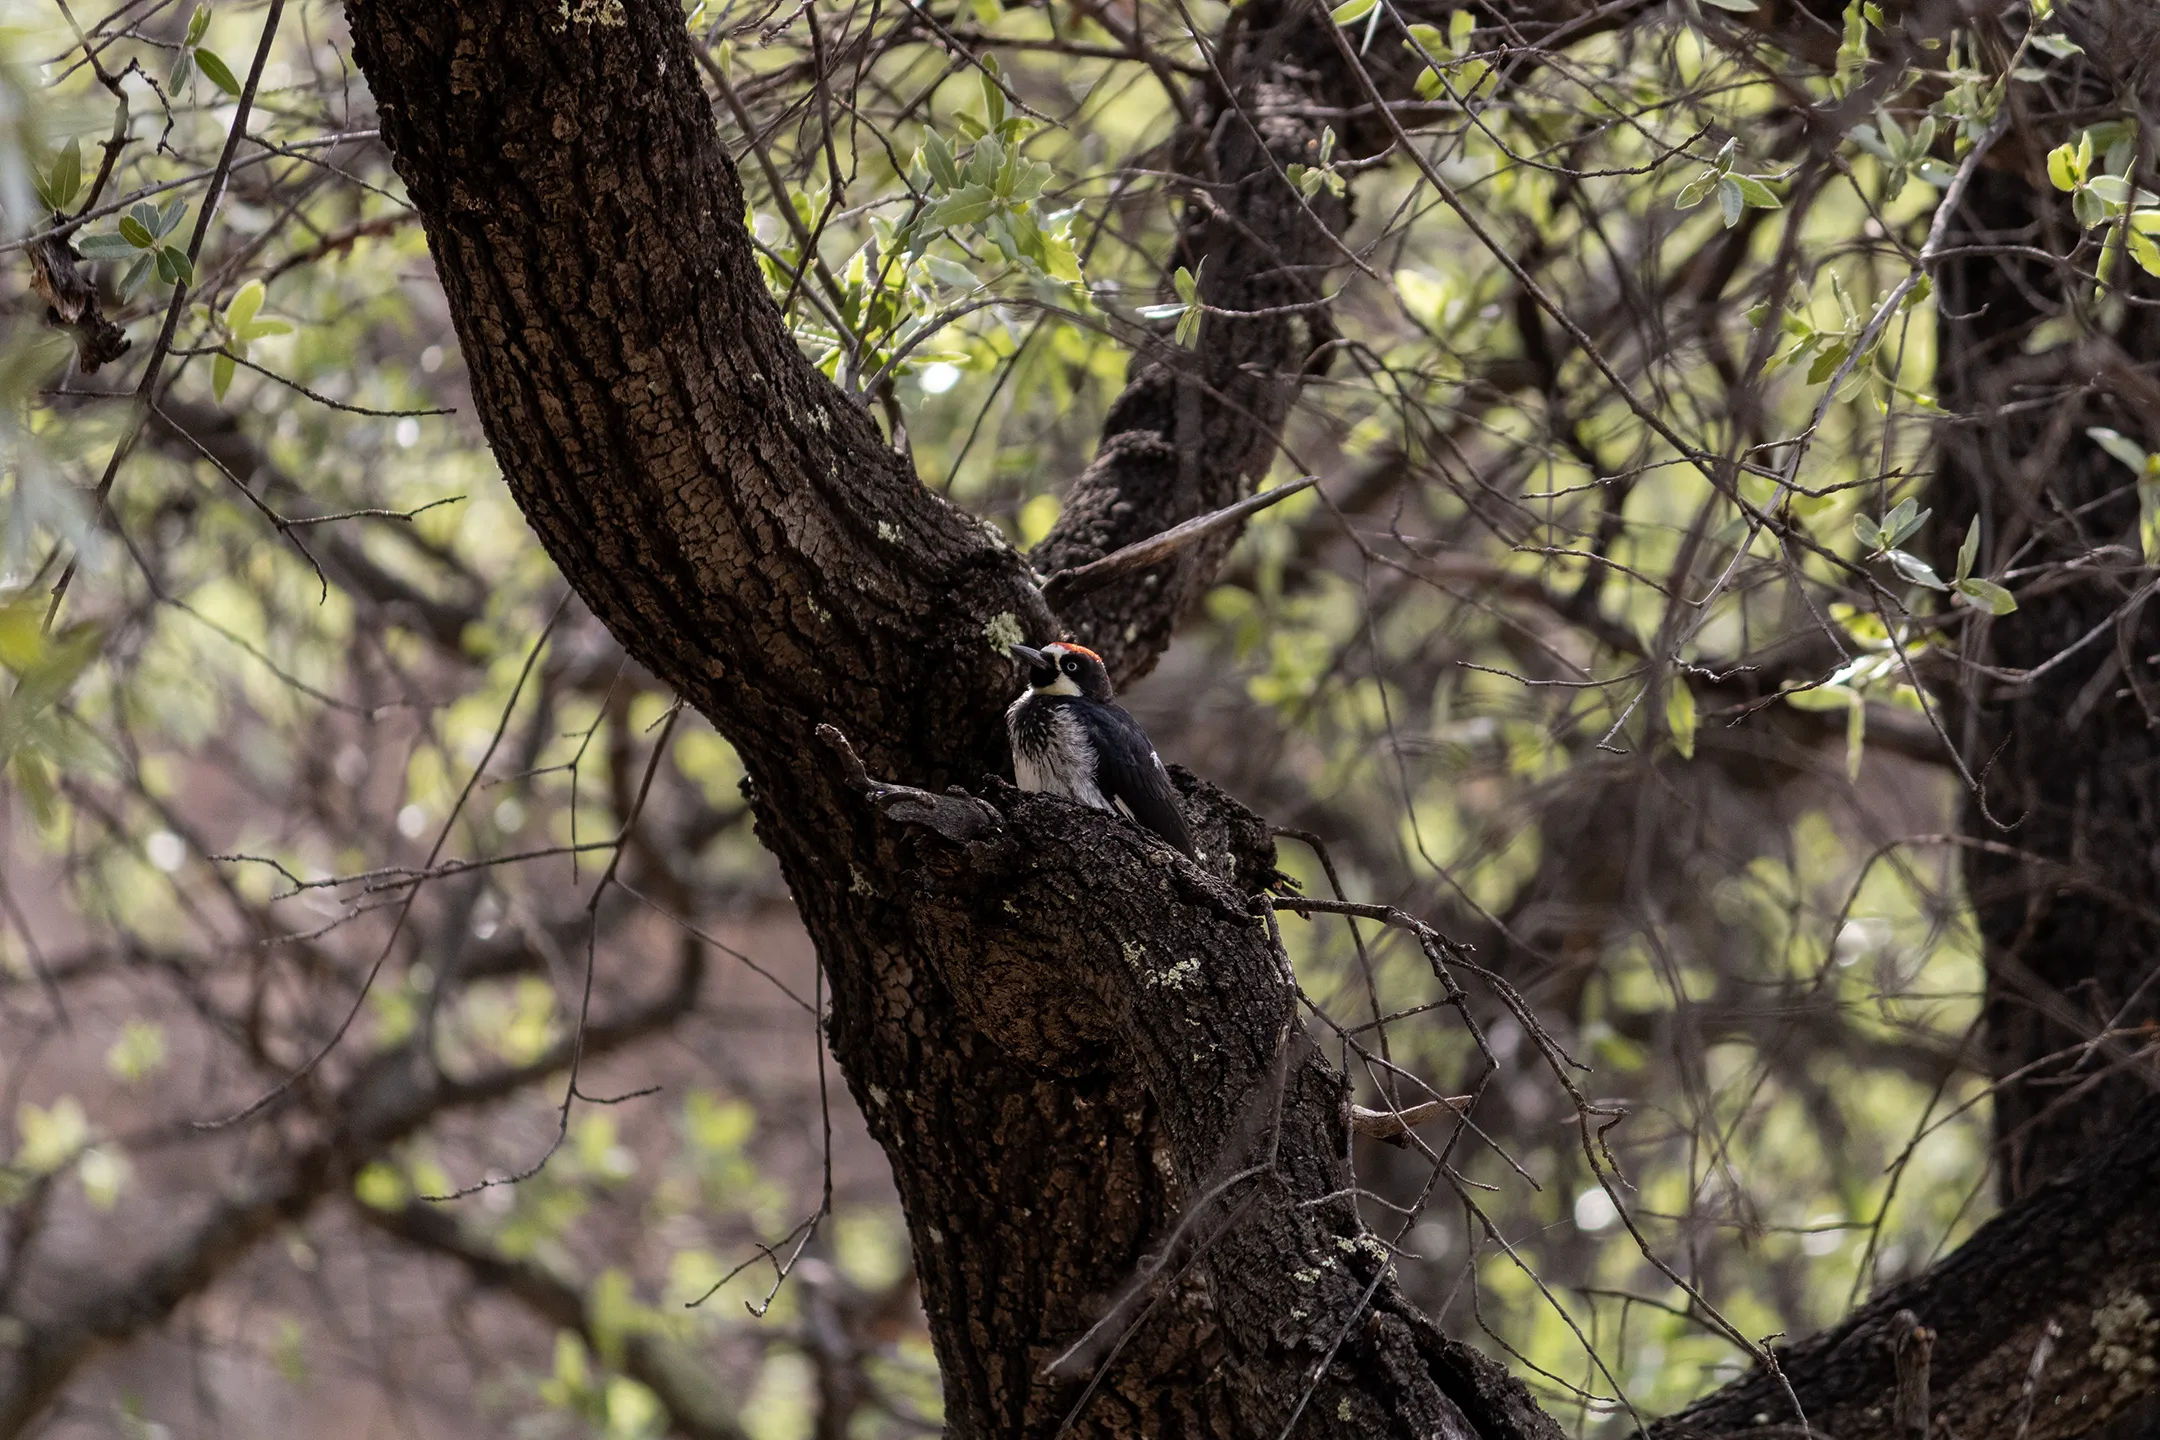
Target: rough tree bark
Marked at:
742, 527
1065, 1038
2065, 866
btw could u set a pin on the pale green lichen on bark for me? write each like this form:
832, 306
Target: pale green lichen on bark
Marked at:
1003, 631
607, 13
2127, 1334
1178, 975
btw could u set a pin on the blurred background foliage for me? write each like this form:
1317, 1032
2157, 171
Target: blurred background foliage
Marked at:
319, 791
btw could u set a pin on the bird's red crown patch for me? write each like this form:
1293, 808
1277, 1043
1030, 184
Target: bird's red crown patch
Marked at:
1077, 650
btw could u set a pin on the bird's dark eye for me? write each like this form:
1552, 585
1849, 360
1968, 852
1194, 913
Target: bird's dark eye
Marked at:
1072, 667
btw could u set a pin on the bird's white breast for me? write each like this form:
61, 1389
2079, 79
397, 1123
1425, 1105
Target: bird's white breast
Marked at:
1060, 760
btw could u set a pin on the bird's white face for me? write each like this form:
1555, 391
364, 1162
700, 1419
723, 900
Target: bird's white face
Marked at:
1066, 681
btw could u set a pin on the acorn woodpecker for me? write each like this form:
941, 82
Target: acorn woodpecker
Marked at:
1070, 738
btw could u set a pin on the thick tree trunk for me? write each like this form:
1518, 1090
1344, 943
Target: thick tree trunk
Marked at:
1068, 1041
1052, 1102
2064, 860
2044, 1326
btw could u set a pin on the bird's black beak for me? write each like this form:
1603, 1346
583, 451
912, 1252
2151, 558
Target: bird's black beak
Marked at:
1041, 669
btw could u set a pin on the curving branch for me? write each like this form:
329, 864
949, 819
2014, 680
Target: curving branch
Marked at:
391, 1097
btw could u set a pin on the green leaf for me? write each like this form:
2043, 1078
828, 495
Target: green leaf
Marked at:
1353, 10
938, 158
50, 1138
2062, 167
1429, 41
1059, 260
139, 1052
1904, 518
136, 233
1987, 595
1826, 363
984, 162
1730, 200
1970, 550
948, 272
967, 205
993, 92
2112, 188
198, 24
2118, 445
105, 245
241, 309
1893, 134
1864, 626
1691, 194
183, 71
221, 374
1915, 570
1820, 697
2145, 251
2149, 517
42, 682
1680, 716
219, 72
168, 219
136, 274
57, 188
173, 258
1757, 194
1029, 178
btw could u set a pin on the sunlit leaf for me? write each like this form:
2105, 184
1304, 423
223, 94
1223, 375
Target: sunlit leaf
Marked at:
219, 73
2118, 445
1916, 570
1680, 716
1987, 595
50, 1137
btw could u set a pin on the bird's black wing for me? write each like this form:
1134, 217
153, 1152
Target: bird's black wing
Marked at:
1131, 775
